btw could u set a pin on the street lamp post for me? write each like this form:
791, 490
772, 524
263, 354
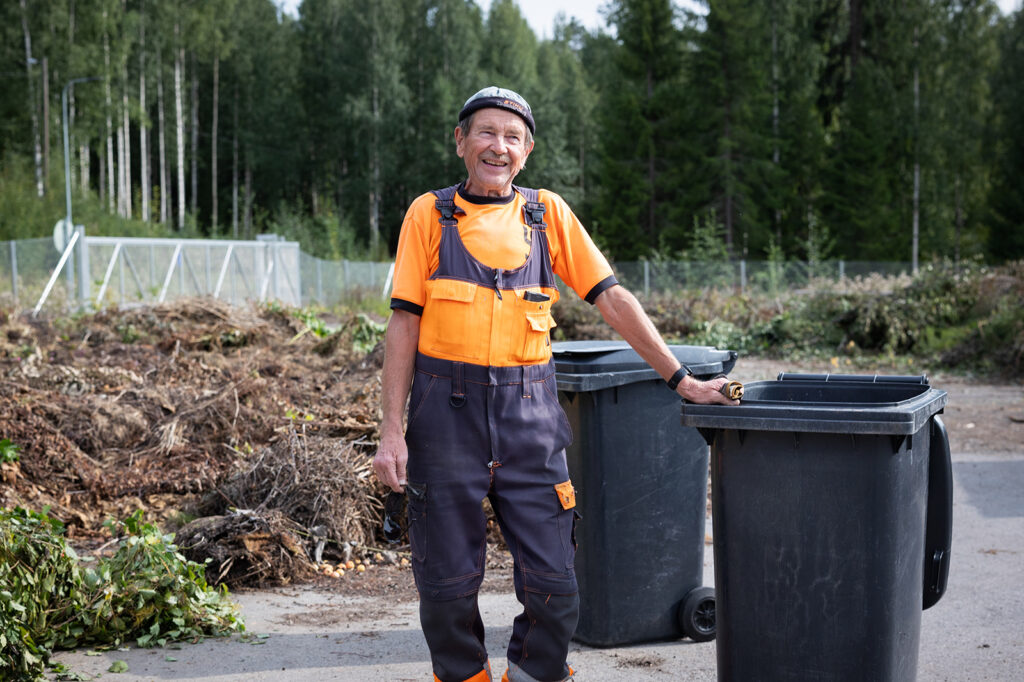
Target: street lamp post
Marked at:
83, 269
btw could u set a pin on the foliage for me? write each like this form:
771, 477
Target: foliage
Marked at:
864, 117
52, 599
367, 333
967, 318
8, 451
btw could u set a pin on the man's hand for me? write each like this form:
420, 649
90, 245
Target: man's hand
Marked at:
697, 391
389, 462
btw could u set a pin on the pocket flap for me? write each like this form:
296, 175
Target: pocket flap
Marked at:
453, 290
540, 321
566, 494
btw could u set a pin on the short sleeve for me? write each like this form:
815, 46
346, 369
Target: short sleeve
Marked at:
413, 257
574, 256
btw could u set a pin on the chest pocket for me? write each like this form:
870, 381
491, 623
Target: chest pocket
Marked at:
536, 323
452, 321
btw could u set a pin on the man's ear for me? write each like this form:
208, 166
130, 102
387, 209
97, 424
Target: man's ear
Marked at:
458, 141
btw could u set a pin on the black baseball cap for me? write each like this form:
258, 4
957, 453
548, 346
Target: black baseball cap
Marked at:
494, 97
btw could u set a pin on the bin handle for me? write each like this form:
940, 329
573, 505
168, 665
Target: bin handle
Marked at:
939, 528
921, 379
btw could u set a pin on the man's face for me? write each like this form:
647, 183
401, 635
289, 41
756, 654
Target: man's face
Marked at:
494, 149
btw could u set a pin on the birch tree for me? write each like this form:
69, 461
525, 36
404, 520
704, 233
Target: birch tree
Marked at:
29, 62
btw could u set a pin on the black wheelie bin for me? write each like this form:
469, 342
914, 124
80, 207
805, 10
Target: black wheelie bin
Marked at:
832, 518
641, 483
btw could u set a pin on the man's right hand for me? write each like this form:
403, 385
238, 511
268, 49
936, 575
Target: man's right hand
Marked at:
390, 461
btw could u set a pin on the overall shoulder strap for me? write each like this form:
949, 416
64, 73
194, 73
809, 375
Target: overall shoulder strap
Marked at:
534, 210
445, 204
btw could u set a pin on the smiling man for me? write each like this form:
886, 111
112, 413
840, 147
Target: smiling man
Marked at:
468, 347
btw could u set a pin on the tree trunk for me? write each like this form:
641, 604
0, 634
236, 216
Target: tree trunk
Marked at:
72, 146
194, 199
83, 172
213, 142
46, 122
103, 175
776, 154
651, 204
248, 196
179, 122
143, 126
234, 168
917, 165
958, 222
111, 192
126, 172
40, 188
165, 175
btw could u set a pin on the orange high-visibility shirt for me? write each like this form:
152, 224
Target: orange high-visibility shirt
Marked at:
496, 235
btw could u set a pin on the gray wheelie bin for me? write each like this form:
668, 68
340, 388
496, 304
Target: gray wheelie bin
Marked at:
832, 517
641, 483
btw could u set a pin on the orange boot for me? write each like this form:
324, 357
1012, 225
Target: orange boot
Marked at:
482, 676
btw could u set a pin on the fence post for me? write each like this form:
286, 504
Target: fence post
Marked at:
842, 270
743, 275
14, 270
83, 269
647, 278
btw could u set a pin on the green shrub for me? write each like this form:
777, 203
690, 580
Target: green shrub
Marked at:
146, 591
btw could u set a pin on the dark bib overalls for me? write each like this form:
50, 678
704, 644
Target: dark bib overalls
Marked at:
477, 431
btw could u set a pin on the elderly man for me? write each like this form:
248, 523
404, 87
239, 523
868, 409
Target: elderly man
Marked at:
469, 347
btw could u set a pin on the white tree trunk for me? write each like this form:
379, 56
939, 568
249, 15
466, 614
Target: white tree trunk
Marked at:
194, 197
72, 145
126, 170
38, 152
248, 196
213, 143
46, 122
234, 169
165, 175
143, 125
111, 192
179, 65
917, 168
83, 168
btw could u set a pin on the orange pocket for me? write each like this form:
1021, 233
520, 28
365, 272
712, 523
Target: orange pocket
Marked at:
566, 494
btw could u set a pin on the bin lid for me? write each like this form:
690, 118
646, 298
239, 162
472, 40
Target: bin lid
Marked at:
594, 365
837, 404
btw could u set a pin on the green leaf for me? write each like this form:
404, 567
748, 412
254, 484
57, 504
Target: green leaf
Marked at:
118, 666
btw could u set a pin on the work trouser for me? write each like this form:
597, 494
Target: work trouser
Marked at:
496, 432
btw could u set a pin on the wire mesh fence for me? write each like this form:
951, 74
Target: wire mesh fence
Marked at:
123, 271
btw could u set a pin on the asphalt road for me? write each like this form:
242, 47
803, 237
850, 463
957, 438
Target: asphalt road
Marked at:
976, 632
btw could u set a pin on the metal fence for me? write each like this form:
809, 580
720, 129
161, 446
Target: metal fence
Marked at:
129, 271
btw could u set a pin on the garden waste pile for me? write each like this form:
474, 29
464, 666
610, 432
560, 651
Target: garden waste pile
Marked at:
248, 431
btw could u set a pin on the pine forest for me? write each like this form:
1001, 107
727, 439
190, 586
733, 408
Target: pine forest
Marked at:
868, 129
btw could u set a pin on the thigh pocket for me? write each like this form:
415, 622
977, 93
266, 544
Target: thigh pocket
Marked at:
417, 493
567, 520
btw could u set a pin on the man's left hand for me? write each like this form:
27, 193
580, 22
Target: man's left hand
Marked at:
705, 392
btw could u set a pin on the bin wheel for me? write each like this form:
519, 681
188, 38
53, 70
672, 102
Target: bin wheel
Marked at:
697, 614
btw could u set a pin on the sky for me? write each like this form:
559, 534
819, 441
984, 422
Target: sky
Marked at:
541, 13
